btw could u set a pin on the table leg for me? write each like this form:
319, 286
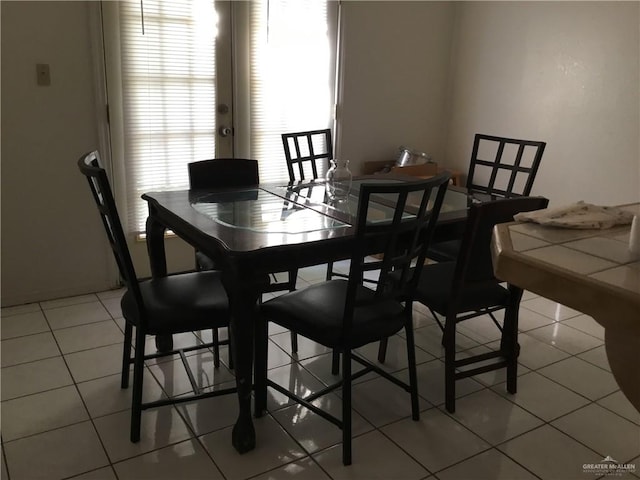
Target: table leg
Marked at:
158, 262
243, 302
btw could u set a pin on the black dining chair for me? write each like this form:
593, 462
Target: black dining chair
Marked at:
233, 173
307, 153
467, 288
345, 314
160, 306
500, 167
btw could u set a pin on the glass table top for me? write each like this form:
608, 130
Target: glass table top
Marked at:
261, 211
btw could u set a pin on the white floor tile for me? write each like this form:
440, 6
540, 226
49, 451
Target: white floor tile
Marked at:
85, 337
78, 314
314, 432
306, 348
382, 402
28, 349
64, 302
296, 379
305, 469
56, 454
21, 324
20, 309
581, 377
368, 463
34, 377
396, 358
429, 339
186, 460
436, 441
586, 324
535, 354
104, 473
543, 397
528, 320
274, 448
104, 396
550, 454
41, 412
602, 431
113, 306
115, 293
493, 418
565, 338
95, 363
159, 427
172, 376
431, 383
210, 414
549, 308
597, 356
618, 403
488, 465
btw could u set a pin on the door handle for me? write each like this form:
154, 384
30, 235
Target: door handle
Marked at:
225, 131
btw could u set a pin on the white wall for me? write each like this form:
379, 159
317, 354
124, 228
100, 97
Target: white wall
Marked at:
562, 72
394, 76
52, 241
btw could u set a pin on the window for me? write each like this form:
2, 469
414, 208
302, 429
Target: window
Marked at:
162, 62
292, 76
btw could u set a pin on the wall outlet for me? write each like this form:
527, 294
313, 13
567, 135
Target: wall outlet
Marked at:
43, 76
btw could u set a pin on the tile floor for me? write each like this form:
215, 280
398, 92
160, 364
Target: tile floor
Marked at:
65, 416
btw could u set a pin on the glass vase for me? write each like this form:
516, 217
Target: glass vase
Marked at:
338, 180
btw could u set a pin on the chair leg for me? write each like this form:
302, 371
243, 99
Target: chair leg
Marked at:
335, 362
382, 350
126, 355
294, 342
413, 375
346, 406
511, 347
216, 347
293, 276
260, 361
450, 364
138, 374
329, 271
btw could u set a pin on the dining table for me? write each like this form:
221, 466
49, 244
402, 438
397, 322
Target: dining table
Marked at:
251, 233
594, 271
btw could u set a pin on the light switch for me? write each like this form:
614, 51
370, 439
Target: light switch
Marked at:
43, 75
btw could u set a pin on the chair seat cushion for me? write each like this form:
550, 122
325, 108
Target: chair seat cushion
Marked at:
179, 303
435, 287
444, 251
316, 312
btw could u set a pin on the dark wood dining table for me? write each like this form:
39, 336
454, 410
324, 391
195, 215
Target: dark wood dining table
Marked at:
250, 233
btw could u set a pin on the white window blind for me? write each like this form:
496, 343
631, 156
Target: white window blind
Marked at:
168, 92
292, 76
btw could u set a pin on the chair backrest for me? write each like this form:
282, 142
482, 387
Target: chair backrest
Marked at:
403, 240
91, 167
474, 262
503, 167
223, 172
313, 148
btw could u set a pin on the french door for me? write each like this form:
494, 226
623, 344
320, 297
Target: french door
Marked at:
189, 80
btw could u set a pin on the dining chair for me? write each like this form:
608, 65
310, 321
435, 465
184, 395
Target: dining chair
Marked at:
233, 173
467, 288
307, 153
159, 306
345, 314
500, 167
